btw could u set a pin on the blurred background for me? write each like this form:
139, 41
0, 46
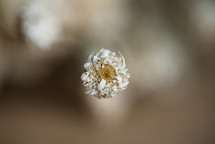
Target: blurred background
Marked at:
169, 47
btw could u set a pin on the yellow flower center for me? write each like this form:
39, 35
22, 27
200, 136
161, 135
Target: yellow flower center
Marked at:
107, 73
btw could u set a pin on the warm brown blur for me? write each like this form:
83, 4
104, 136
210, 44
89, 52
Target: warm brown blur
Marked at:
169, 47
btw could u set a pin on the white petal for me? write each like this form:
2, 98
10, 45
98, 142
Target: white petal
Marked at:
101, 84
89, 60
98, 54
105, 90
105, 53
119, 78
87, 65
113, 95
95, 58
122, 72
102, 51
84, 76
114, 88
123, 60
124, 84
116, 68
93, 92
116, 59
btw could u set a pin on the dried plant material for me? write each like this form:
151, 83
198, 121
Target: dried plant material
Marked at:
106, 74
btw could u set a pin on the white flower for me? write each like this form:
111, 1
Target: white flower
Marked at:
40, 25
105, 74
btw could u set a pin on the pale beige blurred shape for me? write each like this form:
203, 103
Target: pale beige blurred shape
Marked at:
203, 18
162, 60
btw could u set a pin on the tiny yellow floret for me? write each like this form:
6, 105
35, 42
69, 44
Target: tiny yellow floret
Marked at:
107, 73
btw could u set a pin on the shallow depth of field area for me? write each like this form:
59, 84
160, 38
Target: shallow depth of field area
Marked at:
169, 48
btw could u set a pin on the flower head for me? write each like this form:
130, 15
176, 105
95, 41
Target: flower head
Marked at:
105, 74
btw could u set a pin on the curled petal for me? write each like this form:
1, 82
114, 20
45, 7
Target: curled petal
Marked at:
101, 84
122, 60
89, 60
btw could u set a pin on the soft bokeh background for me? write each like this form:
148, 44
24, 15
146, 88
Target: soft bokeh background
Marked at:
169, 47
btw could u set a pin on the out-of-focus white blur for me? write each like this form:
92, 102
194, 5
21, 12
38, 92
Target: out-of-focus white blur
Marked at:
40, 25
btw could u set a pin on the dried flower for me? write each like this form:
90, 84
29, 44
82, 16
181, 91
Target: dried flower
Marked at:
106, 74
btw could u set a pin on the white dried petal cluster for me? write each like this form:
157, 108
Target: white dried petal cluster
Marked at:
105, 74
